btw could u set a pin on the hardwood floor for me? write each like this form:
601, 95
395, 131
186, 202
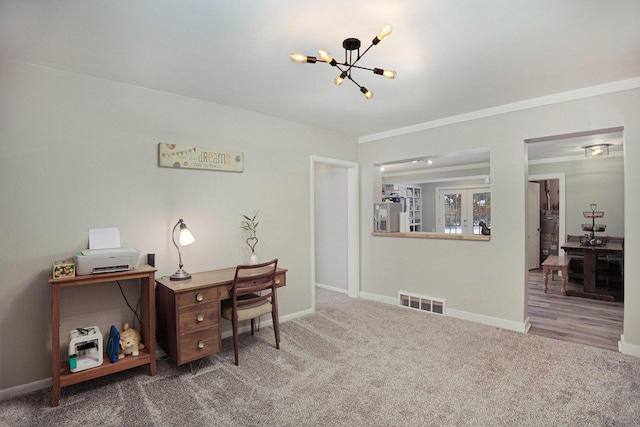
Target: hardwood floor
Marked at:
581, 320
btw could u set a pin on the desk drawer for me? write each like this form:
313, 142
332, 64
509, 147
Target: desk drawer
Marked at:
198, 317
197, 296
199, 344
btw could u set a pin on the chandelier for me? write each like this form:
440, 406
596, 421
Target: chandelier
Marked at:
351, 58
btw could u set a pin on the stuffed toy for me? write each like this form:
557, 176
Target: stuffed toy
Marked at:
129, 342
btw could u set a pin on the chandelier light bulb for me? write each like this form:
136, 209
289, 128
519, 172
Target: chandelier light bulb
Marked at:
338, 80
367, 93
298, 57
384, 32
326, 57
390, 74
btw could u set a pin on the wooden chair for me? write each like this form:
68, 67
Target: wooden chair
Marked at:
615, 261
253, 294
577, 261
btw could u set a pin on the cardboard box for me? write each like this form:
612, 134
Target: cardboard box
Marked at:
64, 269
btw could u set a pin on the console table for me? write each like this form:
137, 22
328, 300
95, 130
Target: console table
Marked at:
589, 277
189, 313
60, 372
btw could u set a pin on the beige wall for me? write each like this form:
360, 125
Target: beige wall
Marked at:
485, 281
80, 152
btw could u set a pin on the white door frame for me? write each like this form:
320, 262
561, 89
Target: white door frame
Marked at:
353, 247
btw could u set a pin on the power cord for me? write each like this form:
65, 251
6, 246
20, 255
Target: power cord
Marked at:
135, 312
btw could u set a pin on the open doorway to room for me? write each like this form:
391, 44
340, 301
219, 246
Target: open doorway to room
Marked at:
334, 226
562, 166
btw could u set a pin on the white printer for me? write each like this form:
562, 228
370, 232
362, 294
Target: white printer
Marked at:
105, 254
92, 261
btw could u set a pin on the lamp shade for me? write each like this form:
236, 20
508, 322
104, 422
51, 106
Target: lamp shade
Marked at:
186, 238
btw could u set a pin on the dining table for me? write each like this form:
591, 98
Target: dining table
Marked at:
589, 276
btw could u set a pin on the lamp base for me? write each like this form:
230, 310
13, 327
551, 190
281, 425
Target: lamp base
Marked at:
180, 275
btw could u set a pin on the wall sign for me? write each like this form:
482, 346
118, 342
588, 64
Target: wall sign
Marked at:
185, 157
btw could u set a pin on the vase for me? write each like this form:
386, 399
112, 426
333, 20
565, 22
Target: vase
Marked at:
253, 259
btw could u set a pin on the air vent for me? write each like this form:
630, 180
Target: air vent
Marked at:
421, 303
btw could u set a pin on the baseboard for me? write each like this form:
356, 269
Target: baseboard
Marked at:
332, 288
488, 320
8, 393
464, 315
630, 349
379, 298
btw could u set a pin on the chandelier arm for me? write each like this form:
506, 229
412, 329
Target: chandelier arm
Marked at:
362, 68
354, 82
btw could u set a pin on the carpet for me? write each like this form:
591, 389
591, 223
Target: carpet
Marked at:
361, 363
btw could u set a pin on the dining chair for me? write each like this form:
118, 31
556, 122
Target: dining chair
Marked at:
253, 294
616, 261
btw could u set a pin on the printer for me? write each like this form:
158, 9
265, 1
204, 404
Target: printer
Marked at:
92, 261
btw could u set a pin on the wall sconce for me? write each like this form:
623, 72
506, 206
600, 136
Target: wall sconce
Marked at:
596, 150
186, 238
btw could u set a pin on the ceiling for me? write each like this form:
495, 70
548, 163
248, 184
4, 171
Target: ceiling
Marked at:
452, 58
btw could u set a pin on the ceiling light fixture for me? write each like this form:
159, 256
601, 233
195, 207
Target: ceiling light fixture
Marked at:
596, 150
350, 45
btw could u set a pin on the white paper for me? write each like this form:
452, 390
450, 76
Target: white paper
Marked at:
104, 238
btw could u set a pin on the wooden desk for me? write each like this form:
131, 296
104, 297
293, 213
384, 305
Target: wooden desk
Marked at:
589, 277
189, 313
60, 372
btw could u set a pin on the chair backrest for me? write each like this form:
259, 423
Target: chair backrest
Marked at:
573, 238
612, 239
251, 280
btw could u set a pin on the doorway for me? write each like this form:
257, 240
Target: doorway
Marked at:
592, 180
335, 177
545, 224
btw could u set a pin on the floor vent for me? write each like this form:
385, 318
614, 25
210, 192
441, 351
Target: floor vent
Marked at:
421, 303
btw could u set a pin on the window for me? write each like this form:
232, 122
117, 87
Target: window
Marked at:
461, 209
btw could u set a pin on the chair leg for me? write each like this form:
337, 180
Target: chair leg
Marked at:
252, 325
276, 325
234, 323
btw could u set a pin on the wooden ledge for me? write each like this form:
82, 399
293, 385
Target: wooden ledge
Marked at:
442, 236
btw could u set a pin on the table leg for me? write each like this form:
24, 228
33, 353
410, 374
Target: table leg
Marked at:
565, 273
589, 276
55, 345
545, 271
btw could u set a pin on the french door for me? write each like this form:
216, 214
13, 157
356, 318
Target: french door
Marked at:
460, 210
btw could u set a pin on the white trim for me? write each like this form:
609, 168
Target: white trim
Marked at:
630, 349
557, 98
379, 298
463, 315
332, 288
19, 390
488, 320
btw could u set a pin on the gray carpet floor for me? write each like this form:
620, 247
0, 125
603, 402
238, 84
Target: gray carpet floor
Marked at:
362, 363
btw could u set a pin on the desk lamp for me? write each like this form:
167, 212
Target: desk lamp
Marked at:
186, 238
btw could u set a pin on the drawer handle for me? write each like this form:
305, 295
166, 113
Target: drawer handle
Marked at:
200, 344
277, 281
200, 317
199, 297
